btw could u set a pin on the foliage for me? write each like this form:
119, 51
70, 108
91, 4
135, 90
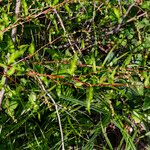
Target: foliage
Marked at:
88, 58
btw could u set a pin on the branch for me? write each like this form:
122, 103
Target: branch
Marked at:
137, 17
2, 92
116, 30
17, 10
30, 17
13, 36
63, 27
56, 108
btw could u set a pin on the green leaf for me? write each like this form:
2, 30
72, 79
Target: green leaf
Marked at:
55, 2
31, 48
82, 103
102, 78
146, 104
32, 97
128, 60
10, 108
93, 63
109, 55
68, 10
11, 71
14, 56
147, 81
1, 35
32, 103
117, 13
89, 97
112, 75
58, 90
73, 64
25, 7
82, 44
146, 5
140, 88
5, 19
55, 23
78, 84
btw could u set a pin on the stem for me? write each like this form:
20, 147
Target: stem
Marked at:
56, 108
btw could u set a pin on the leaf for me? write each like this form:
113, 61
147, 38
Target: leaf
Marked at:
93, 63
16, 54
1, 35
25, 7
78, 84
68, 10
11, 71
82, 103
140, 88
58, 90
146, 43
90, 143
10, 108
32, 103
82, 44
89, 97
128, 60
106, 137
117, 13
73, 64
5, 19
55, 23
146, 104
32, 97
111, 76
55, 2
147, 81
136, 117
146, 5
109, 55
102, 78
143, 23
31, 48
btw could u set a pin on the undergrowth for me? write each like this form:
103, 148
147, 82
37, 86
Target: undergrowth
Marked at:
75, 76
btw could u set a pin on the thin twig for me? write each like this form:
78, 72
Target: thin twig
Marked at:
128, 21
56, 108
41, 48
30, 17
17, 10
65, 32
120, 7
13, 36
116, 30
2, 92
137, 17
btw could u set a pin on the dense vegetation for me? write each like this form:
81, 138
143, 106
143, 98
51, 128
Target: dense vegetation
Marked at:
75, 74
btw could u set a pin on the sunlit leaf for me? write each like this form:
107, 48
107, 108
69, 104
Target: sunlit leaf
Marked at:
33, 103
31, 48
140, 88
11, 71
73, 64
68, 10
89, 97
14, 56
117, 13
25, 7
